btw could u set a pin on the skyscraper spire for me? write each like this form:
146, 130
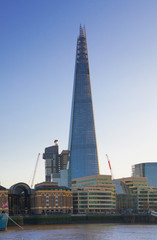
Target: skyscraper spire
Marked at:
81, 31
82, 55
82, 137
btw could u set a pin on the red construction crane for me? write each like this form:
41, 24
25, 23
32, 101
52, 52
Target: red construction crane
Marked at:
36, 165
109, 165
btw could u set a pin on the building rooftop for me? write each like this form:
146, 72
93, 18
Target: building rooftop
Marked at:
2, 188
50, 186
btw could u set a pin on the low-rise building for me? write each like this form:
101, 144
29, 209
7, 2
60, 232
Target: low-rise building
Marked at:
50, 198
142, 197
94, 194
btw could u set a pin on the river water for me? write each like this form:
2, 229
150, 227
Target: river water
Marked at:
82, 231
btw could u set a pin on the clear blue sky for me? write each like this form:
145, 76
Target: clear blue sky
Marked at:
37, 59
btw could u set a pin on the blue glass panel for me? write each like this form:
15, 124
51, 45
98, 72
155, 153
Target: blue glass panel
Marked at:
82, 137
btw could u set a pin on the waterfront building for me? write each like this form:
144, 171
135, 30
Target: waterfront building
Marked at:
45, 198
126, 203
19, 199
148, 170
50, 198
3, 199
94, 194
82, 136
142, 196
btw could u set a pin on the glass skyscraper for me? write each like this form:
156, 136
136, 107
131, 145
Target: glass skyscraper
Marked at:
82, 137
148, 170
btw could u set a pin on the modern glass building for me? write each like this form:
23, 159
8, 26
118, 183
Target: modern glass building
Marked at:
82, 137
94, 194
136, 194
148, 170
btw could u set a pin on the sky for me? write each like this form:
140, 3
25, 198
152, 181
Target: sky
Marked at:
37, 61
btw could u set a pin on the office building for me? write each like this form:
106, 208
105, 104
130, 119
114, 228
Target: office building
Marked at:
82, 136
136, 194
148, 170
94, 194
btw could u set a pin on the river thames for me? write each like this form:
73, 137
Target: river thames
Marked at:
82, 231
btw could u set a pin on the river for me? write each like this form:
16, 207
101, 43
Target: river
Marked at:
82, 231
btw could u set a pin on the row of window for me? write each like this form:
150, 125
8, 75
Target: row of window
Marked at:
95, 202
92, 193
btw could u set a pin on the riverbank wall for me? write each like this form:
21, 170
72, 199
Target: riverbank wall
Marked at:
74, 219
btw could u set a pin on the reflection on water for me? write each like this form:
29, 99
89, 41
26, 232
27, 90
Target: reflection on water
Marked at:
82, 231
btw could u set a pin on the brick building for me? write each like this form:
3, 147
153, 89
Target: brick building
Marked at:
49, 198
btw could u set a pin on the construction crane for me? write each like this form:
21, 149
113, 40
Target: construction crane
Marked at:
36, 165
109, 166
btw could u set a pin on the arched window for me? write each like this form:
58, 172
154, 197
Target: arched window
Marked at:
52, 198
61, 200
3, 199
56, 200
42, 200
47, 200
69, 202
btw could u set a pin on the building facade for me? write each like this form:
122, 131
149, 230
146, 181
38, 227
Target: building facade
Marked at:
94, 194
55, 163
45, 198
52, 162
126, 203
148, 170
19, 199
82, 136
142, 197
64, 159
49, 198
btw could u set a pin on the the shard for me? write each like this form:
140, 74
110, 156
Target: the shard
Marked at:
82, 137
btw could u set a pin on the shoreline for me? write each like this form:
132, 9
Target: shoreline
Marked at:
83, 219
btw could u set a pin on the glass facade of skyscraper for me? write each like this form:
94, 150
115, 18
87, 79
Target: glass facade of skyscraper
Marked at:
148, 170
82, 137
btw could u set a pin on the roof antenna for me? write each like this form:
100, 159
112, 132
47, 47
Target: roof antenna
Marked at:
81, 31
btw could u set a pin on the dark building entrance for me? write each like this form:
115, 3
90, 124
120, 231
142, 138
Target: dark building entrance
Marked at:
19, 199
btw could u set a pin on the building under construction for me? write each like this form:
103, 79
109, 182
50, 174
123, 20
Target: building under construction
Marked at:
55, 163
